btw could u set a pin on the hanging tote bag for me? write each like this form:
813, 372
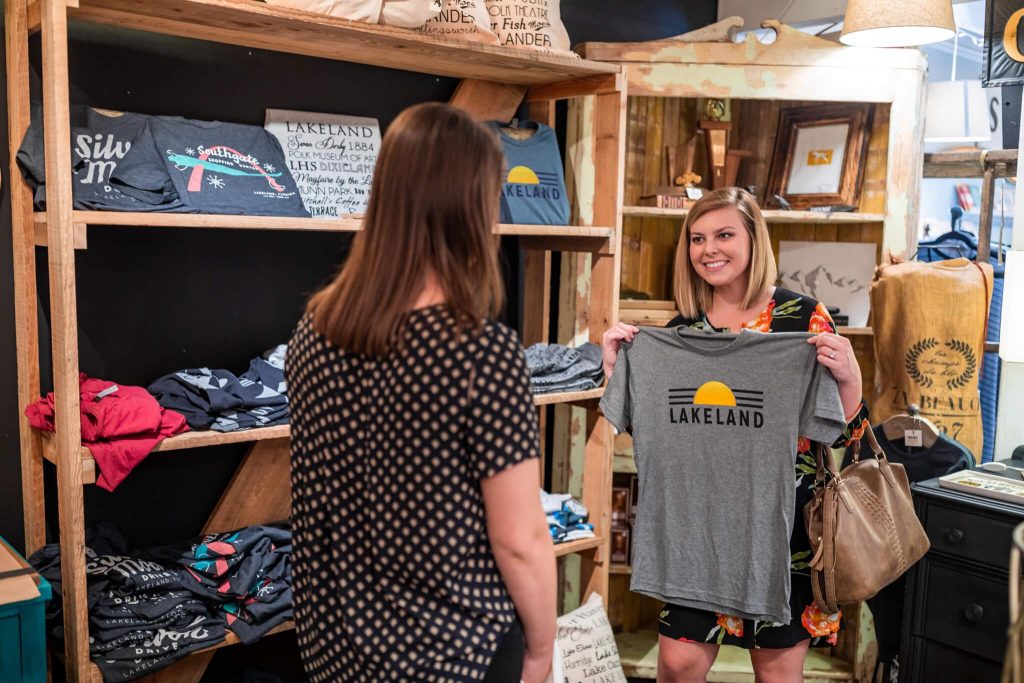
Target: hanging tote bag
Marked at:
862, 525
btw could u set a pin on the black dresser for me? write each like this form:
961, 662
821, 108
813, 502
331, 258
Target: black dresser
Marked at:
956, 611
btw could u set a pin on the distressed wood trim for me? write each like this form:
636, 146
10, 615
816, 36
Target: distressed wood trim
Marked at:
592, 85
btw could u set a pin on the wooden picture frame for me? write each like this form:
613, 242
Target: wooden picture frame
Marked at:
819, 155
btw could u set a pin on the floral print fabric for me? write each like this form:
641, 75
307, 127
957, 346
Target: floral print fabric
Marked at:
785, 312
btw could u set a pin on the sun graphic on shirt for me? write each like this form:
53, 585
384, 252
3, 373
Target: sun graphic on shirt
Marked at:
714, 394
523, 175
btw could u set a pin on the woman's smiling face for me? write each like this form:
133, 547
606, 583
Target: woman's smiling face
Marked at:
720, 246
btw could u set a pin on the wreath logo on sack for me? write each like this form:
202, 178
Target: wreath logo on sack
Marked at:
970, 361
914, 355
927, 360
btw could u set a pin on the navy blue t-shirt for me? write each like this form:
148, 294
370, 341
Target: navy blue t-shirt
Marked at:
219, 168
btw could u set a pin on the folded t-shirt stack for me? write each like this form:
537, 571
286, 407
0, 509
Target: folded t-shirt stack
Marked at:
120, 425
557, 368
567, 517
99, 141
213, 167
151, 608
218, 400
122, 161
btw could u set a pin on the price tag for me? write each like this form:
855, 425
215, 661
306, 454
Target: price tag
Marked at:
912, 437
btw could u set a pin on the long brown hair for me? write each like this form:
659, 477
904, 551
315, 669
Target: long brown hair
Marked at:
433, 206
692, 293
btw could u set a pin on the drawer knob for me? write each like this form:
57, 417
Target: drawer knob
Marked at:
974, 613
954, 536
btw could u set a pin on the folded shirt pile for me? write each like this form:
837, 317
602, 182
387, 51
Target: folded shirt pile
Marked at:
557, 368
152, 608
567, 517
120, 425
122, 161
218, 400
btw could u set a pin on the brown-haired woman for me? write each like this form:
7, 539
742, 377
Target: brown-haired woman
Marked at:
418, 530
724, 280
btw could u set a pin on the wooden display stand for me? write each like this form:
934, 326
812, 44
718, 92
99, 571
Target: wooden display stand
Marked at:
666, 79
496, 81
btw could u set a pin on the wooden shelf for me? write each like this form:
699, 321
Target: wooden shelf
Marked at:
770, 216
229, 639
568, 397
202, 439
620, 569
639, 654
579, 546
596, 236
269, 27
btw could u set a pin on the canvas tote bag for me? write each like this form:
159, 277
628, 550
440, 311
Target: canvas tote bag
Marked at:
462, 20
533, 24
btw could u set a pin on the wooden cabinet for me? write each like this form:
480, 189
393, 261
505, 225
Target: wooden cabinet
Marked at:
495, 81
956, 611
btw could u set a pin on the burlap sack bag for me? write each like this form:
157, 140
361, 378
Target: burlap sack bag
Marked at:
929, 325
462, 20
534, 24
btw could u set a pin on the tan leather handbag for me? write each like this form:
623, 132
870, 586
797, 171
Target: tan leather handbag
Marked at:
862, 525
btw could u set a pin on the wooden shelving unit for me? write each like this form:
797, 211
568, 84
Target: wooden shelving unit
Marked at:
207, 438
770, 215
495, 81
587, 237
666, 82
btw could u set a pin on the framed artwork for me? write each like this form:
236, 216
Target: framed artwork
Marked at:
1003, 60
836, 273
819, 155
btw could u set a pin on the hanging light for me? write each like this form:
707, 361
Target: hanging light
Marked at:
897, 23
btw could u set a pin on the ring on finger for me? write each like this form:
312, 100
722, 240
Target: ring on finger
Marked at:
832, 354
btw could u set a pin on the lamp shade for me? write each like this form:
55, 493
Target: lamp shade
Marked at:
897, 23
957, 112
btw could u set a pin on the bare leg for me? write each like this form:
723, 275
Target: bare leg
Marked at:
780, 666
684, 662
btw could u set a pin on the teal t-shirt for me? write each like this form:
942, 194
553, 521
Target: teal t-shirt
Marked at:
534, 188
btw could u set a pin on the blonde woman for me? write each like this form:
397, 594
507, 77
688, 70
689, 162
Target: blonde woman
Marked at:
421, 552
724, 281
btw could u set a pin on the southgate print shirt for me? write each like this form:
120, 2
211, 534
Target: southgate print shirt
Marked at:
214, 167
715, 420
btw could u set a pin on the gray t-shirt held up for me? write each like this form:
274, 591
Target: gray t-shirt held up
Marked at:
715, 421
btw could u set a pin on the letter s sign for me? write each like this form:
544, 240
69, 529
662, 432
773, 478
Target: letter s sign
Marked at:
1010, 34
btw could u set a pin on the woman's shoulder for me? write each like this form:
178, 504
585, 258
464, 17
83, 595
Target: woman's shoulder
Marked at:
681, 320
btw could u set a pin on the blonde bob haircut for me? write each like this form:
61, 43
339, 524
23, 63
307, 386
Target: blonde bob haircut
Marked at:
693, 294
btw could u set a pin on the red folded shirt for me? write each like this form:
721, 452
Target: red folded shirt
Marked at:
120, 425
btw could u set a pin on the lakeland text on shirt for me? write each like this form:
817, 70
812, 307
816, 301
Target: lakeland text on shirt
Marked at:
534, 189
715, 420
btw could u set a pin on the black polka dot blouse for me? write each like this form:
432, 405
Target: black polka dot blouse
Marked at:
394, 578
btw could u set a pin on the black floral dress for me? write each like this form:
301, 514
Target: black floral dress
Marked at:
786, 312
